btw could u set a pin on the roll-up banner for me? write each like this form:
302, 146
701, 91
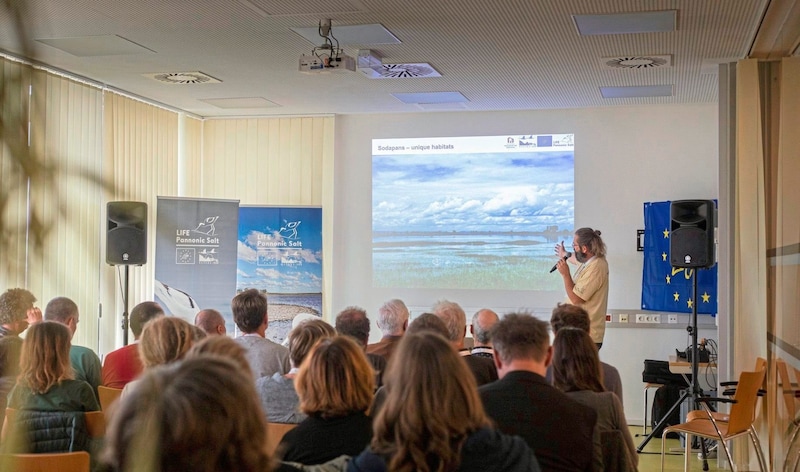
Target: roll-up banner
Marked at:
196, 245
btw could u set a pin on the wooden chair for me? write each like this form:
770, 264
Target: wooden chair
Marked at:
107, 396
740, 420
275, 432
61, 462
790, 396
730, 392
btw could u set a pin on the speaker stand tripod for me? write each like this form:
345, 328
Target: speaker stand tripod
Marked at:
125, 290
693, 391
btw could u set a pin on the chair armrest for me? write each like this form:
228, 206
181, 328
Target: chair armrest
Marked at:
729, 383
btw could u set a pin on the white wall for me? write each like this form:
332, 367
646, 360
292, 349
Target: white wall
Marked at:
624, 156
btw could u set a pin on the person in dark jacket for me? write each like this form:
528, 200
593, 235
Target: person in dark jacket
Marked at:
433, 418
557, 428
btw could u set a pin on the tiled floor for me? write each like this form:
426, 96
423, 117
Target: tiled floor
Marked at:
650, 457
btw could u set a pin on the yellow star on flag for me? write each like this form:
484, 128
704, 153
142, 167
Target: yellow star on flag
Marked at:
706, 297
666, 234
689, 303
676, 296
663, 256
668, 279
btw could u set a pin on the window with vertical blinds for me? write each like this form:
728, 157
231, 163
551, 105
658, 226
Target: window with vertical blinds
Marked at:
138, 151
140, 159
15, 79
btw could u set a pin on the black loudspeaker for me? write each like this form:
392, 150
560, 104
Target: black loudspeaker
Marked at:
691, 239
126, 234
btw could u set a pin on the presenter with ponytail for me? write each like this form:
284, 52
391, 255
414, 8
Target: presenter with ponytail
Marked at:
588, 287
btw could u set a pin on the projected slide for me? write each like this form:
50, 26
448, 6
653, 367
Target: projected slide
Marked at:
471, 212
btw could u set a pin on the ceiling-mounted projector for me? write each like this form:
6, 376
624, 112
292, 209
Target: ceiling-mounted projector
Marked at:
312, 64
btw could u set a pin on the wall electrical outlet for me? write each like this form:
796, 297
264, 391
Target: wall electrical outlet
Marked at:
648, 318
623, 318
672, 319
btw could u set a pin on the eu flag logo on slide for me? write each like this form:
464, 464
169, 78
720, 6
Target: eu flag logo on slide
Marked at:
667, 288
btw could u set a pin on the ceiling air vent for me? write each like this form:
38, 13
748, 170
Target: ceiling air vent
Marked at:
183, 78
637, 62
401, 71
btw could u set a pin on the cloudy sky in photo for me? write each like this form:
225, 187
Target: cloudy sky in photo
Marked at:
473, 192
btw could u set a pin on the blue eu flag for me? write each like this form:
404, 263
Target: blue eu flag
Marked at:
667, 288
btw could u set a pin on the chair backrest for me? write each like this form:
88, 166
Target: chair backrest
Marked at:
786, 388
61, 462
743, 410
95, 423
275, 432
107, 396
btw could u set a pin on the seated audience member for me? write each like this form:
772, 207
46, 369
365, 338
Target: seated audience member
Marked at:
296, 321
426, 322
221, 346
210, 321
164, 340
456, 321
335, 385
566, 315
392, 321
279, 398
576, 371
482, 322
123, 365
46, 379
353, 322
84, 360
433, 419
557, 428
250, 315
195, 415
16, 313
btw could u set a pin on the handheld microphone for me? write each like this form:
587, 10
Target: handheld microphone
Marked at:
566, 256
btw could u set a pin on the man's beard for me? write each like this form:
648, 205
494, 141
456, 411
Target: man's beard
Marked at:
581, 256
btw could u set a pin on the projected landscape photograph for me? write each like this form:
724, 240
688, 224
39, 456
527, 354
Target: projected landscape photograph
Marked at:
471, 212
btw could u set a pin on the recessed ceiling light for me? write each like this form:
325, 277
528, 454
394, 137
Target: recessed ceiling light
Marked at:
350, 34
103, 45
430, 97
624, 23
640, 91
240, 102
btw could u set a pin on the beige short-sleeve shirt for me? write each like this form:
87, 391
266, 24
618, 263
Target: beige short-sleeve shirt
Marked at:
591, 284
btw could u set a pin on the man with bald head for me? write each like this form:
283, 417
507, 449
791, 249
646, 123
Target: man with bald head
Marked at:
482, 322
456, 321
210, 321
84, 361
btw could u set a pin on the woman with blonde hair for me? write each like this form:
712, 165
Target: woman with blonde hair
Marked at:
335, 385
195, 415
46, 380
433, 418
164, 340
577, 372
222, 346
